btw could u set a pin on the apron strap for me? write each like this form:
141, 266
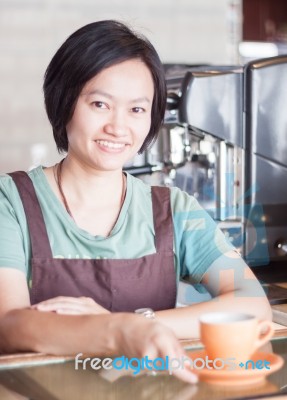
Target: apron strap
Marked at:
162, 217
38, 233
40, 244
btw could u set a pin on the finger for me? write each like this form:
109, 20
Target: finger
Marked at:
74, 311
57, 306
150, 351
179, 365
88, 300
66, 311
63, 299
186, 375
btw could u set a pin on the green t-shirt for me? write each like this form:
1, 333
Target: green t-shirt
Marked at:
197, 240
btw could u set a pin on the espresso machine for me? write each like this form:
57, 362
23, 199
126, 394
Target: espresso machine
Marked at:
200, 146
224, 141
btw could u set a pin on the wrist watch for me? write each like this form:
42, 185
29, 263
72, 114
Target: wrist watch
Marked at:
146, 312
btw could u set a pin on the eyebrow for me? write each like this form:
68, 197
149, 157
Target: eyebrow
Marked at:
109, 96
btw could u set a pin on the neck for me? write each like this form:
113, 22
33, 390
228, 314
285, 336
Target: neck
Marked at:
84, 186
82, 175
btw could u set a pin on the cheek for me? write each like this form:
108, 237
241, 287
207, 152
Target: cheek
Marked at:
72, 130
143, 127
79, 127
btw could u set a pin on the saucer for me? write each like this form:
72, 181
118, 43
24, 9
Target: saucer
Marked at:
239, 375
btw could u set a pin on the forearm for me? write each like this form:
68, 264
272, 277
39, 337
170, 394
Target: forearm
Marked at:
30, 330
234, 288
185, 321
101, 335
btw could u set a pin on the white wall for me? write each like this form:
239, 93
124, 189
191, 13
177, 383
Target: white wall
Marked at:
189, 31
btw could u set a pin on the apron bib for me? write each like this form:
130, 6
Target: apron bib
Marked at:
116, 284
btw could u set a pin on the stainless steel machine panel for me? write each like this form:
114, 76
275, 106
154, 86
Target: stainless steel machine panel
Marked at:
266, 103
211, 101
266, 155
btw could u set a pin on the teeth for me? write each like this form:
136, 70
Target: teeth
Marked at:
110, 144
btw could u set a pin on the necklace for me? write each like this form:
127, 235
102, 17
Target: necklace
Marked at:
58, 178
57, 170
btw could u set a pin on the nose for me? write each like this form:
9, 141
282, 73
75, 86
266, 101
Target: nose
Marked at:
116, 124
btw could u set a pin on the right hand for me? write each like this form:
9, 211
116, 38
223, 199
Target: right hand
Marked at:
70, 306
140, 337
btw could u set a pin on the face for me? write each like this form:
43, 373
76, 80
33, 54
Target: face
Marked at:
112, 116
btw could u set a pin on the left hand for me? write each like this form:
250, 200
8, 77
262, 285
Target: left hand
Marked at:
71, 306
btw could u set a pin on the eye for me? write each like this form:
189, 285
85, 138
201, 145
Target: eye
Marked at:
99, 104
138, 110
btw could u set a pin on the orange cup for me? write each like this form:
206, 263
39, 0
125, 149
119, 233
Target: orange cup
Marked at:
233, 335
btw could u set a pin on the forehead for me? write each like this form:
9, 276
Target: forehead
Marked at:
128, 77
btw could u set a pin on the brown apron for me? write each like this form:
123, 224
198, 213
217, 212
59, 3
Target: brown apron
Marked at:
116, 284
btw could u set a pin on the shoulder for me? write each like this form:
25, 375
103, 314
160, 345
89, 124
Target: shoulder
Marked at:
188, 215
36, 174
8, 188
137, 186
182, 201
5, 176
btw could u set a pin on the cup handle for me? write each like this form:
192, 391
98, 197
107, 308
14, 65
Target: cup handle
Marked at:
262, 339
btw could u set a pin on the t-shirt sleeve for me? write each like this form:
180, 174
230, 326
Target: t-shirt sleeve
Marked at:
12, 253
198, 240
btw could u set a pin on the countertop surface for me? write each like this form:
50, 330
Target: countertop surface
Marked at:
58, 379
34, 376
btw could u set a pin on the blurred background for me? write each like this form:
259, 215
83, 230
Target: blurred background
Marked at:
188, 31
183, 31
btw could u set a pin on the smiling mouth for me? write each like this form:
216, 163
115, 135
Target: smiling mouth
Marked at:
110, 145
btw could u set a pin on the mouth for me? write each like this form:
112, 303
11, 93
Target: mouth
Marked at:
111, 145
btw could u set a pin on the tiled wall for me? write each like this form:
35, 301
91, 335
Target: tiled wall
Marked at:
190, 31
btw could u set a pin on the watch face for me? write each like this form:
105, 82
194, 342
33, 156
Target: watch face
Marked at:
146, 312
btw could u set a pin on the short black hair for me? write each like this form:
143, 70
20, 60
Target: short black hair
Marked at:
83, 55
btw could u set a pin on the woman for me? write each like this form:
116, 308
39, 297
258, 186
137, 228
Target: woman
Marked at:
99, 243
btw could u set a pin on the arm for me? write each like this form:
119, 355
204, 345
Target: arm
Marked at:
26, 329
234, 288
229, 280
21, 329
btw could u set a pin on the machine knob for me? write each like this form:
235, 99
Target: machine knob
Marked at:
281, 246
172, 101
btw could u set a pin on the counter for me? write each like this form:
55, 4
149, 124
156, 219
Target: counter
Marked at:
59, 380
